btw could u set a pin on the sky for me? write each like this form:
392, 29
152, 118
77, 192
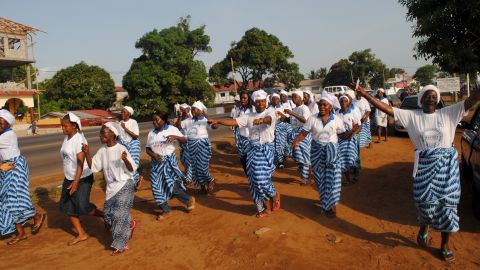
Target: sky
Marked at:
319, 33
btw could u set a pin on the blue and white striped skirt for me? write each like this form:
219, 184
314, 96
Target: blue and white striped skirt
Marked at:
365, 134
201, 150
436, 189
282, 130
117, 215
260, 168
326, 172
242, 143
134, 148
185, 159
301, 154
349, 153
163, 176
15, 204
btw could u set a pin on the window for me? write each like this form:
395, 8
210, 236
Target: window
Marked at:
222, 94
14, 44
2, 47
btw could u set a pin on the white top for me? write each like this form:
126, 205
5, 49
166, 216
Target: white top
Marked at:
70, 149
109, 160
8, 145
379, 113
363, 106
157, 141
285, 106
239, 112
131, 125
313, 107
260, 133
324, 133
350, 117
301, 110
431, 130
196, 129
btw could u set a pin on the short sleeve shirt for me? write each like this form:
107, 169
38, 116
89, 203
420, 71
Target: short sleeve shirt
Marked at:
264, 133
131, 125
196, 129
70, 148
301, 110
324, 133
8, 145
157, 140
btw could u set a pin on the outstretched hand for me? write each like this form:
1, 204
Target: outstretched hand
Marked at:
258, 121
85, 149
7, 166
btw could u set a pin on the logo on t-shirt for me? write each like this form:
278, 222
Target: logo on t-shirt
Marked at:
432, 137
324, 136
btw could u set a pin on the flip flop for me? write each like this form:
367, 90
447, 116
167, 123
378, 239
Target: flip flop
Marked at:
36, 228
448, 256
422, 240
132, 229
77, 240
16, 240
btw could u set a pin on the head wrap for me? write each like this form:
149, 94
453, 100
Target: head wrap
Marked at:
333, 100
74, 119
424, 90
343, 96
259, 94
5, 114
380, 90
351, 94
237, 98
298, 93
274, 95
184, 106
129, 109
283, 92
112, 127
199, 105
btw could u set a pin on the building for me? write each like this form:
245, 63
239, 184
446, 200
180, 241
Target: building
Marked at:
226, 94
121, 94
17, 50
315, 86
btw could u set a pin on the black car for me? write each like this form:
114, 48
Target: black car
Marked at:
470, 147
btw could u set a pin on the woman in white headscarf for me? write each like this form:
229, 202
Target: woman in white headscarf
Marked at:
381, 119
309, 101
16, 207
129, 137
282, 129
436, 176
184, 113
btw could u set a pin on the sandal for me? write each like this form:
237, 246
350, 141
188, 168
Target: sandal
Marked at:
16, 240
133, 225
116, 252
36, 227
422, 240
448, 256
77, 240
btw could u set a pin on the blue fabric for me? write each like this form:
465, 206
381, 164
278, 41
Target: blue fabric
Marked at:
301, 154
134, 148
326, 173
15, 204
365, 134
436, 189
163, 176
260, 168
201, 152
242, 143
282, 130
185, 159
349, 153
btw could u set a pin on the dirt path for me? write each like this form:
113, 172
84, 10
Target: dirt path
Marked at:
375, 229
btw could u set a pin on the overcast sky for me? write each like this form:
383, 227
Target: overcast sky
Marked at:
319, 33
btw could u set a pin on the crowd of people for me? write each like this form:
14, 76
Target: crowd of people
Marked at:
322, 136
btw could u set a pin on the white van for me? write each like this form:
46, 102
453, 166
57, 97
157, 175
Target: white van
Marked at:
336, 89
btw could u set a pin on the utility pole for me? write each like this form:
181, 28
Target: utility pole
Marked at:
468, 84
233, 73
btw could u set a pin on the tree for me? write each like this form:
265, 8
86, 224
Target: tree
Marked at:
16, 74
339, 74
426, 74
81, 87
448, 32
391, 72
167, 71
317, 74
258, 57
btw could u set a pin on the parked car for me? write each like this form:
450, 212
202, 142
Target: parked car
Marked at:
410, 103
470, 148
336, 89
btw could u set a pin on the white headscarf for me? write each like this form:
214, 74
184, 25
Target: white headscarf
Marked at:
380, 90
237, 98
333, 100
5, 114
283, 92
129, 109
351, 94
199, 105
343, 96
75, 119
298, 93
424, 90
259, 94
112, 127
184, 106
274, 95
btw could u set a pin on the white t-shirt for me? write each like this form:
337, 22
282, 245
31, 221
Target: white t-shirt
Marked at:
239, 112
131, 125
379, 113
327, 133
157, 141
196, 129
313, 107
301, 110
109, 160
285, 106
260, 133
349, 118
363, 106
8, 145
70, 149
431, 130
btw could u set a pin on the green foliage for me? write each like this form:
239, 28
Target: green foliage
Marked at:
167, 72
426, 74
360, 64
81, 87
16, 74
46, 105
259, 57
391, 72
448, 32
317, 74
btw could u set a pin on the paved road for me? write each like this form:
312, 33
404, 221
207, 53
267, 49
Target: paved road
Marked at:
43, 152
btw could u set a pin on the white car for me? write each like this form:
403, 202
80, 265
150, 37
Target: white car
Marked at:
336, 89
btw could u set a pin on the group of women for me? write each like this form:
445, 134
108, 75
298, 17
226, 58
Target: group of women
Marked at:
323, 138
